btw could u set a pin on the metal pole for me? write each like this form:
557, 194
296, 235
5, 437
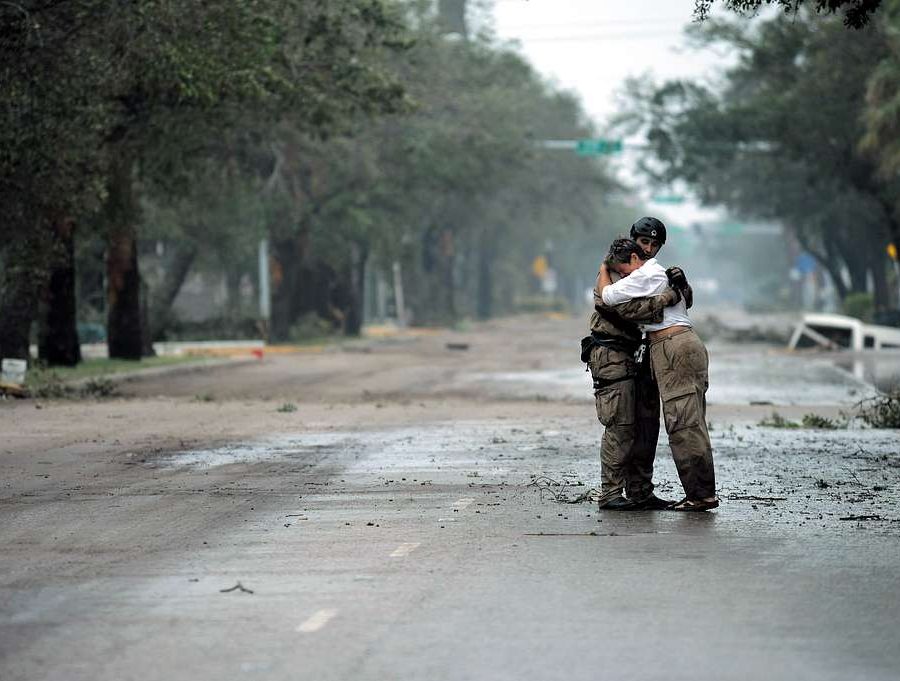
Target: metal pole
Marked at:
264, 299
398, 293
897, 274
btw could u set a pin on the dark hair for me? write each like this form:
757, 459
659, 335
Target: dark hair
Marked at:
620, 252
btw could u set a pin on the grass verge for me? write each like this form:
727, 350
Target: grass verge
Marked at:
47, 383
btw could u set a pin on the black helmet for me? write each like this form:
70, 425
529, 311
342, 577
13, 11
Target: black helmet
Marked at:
649, 227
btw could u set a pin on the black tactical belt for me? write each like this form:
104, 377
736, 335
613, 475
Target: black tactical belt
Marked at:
617, 344
601, 383
616, 320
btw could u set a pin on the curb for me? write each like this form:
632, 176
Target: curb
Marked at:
154, 372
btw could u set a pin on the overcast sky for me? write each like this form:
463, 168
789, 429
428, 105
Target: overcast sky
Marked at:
592, 46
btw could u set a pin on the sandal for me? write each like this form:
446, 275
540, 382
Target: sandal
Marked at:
690, 505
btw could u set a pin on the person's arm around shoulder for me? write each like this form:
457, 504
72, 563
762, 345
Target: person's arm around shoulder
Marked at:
627, 288
646, 310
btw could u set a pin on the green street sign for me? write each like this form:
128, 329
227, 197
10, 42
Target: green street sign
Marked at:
600, 147
668, 198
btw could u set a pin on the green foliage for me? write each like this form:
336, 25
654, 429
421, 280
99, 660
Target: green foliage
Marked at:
882, 115
746, 141
821, 422
776, 420
45, 383
287, 408
310, 327
859, 305
94, 91
857, 13
99, 387
882, 411
455, 188
350, 133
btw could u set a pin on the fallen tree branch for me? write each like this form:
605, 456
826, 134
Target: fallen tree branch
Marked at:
237, 587
751, 497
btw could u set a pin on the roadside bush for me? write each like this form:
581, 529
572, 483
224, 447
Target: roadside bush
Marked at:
816, 421
99, 387
882, 411
309, 327
46, 384
859, 305
776, 420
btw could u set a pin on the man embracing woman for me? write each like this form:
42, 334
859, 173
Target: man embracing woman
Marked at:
679, 366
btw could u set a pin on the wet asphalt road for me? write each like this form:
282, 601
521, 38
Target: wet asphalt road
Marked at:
426, 553
437, 546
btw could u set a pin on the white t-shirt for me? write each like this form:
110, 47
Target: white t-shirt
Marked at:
648, 280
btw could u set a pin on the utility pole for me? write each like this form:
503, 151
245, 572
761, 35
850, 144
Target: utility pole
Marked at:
264, 289
452, 17
399, 302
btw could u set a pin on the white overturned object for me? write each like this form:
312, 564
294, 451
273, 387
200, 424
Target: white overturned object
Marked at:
838, 332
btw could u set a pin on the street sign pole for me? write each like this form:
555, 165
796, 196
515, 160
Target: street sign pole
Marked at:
586, 147
892, 254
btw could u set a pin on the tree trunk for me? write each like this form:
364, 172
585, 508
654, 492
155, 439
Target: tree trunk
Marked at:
147, 349
881, 293
859, 279
831, 262
287, 258
123, 278
22, 279
353, 313
179, 266
485, 296
58, 343
448, 261
233, 278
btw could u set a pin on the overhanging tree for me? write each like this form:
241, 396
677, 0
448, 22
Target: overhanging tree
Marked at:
778, 139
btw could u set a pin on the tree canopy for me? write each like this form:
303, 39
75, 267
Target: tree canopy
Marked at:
857, 13
366, 141
778, 138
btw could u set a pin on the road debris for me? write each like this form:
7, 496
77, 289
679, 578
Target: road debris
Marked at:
546, 484
237, 587
752, 497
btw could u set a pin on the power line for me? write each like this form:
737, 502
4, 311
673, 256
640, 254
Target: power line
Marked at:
602, 24
633, 35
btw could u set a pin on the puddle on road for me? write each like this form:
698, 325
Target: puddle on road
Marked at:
272, 449
407, 449
736, 376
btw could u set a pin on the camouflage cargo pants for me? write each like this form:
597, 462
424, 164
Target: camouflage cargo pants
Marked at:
628, 407
680, 365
